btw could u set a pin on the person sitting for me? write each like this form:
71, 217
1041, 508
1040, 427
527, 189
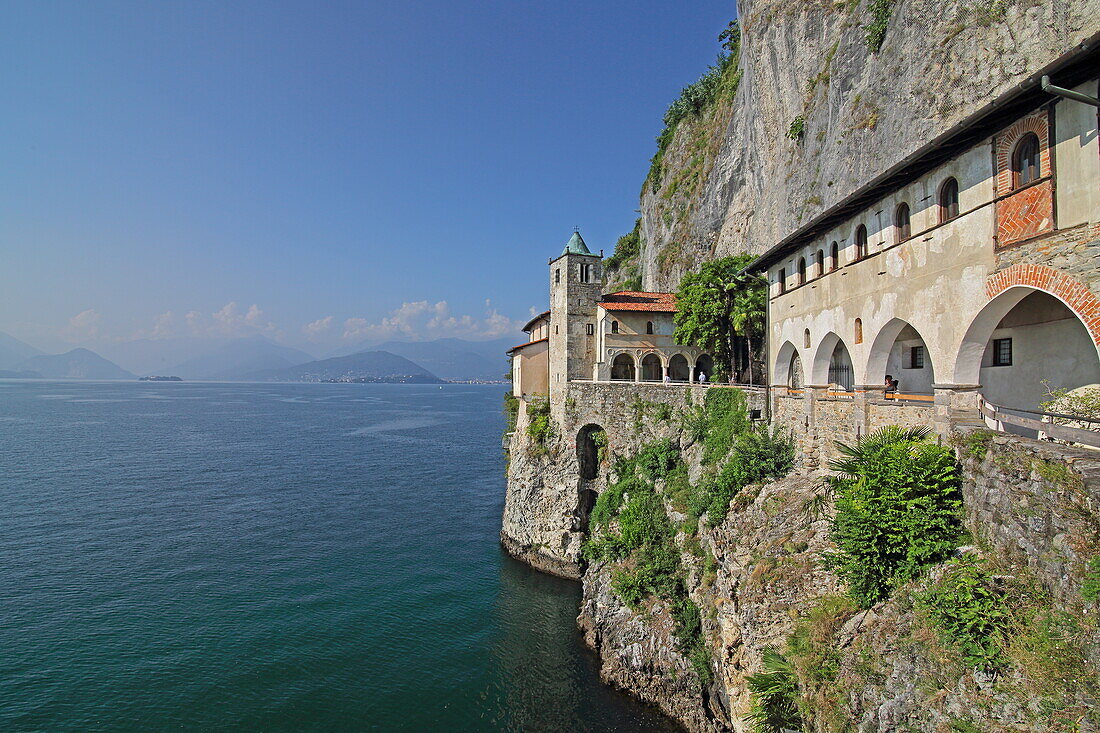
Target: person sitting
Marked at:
668, 379
702, 378
894, 385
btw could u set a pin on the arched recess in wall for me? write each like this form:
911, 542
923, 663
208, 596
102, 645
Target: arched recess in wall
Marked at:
899, 350
783, 361
704, 365
622, 368
1027, 335
832, 363
590, 439
651, 368
678, 368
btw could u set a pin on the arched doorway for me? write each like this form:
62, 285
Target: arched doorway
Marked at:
901, 352
622, 368
591, 446
1023, 343
832, 363
704, 365
651, 368
678, 369
785, 362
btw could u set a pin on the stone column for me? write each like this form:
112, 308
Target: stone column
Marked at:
955, 402
865, 393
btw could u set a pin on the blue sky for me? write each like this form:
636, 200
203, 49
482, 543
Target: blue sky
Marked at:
186, 167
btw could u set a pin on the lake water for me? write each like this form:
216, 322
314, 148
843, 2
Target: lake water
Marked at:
275, 557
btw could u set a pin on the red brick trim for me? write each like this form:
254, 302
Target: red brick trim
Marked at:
1071, 291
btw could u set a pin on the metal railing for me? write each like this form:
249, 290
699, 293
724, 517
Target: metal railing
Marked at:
997, 416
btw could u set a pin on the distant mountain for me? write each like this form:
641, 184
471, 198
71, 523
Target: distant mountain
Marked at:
75, 364
366, 366
235, 359
13, 351
451, 358
9, 374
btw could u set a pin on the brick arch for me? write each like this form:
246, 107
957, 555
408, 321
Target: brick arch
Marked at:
1006, 144
1069, 290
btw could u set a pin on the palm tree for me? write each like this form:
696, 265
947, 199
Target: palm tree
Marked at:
748, 312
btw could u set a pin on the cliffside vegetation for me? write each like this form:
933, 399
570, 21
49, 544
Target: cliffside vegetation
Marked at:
630, 524
622, 269
970, 625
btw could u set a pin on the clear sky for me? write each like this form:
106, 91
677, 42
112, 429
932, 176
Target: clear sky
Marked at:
370, 168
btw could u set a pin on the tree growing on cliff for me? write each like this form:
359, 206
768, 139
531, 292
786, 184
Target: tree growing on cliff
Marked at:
716, 306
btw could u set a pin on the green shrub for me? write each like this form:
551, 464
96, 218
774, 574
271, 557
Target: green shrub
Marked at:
774, 695
757, 454
627, 248
797, 128
1090, 588
658, 460
880, 21
727, 416
898, 506
969, 611
539, 428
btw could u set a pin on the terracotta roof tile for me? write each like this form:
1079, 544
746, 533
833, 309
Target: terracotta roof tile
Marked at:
630, 300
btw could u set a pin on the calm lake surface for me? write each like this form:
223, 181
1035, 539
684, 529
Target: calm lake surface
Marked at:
275, 557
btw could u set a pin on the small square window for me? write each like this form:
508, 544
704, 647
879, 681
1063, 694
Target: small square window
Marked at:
589, 329
1002, 352
916, 357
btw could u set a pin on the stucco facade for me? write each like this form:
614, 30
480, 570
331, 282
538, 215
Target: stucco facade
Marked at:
999, 296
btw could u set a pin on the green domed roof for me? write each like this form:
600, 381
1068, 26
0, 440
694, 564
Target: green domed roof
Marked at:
576, 246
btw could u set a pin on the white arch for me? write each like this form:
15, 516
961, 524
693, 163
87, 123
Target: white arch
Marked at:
968, 362
819, 370
781, 372
879, 353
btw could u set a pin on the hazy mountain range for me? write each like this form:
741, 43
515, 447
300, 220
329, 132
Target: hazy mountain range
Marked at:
365, 366
259, 358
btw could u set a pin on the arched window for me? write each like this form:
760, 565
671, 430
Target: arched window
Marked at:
859, 331
949, 200
614, 327
834, 257
901, 222
806, 339
649, 326
861, 242
782, 280
1025, 160
820, 263
801, 270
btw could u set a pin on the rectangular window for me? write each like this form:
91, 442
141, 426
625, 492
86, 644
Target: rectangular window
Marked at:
584, 273
589, 329
1002, 352
916, 357
782, 281
557, 276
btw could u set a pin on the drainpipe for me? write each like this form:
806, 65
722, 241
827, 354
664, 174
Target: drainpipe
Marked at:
1068, 93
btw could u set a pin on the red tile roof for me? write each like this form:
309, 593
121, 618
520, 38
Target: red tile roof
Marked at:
517, 348
629, 300
531, 323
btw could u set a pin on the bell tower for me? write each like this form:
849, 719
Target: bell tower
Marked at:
576, 284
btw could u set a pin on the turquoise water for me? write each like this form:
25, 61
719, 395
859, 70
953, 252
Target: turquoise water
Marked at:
275, 557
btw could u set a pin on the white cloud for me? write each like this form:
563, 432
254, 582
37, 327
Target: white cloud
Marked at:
318, 329
421, 321
83, 326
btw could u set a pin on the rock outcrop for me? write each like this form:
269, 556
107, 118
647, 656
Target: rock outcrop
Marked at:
817, 115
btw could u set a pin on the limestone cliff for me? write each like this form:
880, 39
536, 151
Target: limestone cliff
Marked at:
758, 579
817, 114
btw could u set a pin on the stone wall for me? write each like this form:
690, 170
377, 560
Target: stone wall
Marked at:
1036, 504
544, 518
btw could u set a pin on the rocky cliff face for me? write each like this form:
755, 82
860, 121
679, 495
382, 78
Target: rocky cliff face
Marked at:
816, 114
1033, 513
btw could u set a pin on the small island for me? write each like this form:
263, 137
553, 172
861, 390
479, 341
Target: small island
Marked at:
159, 379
